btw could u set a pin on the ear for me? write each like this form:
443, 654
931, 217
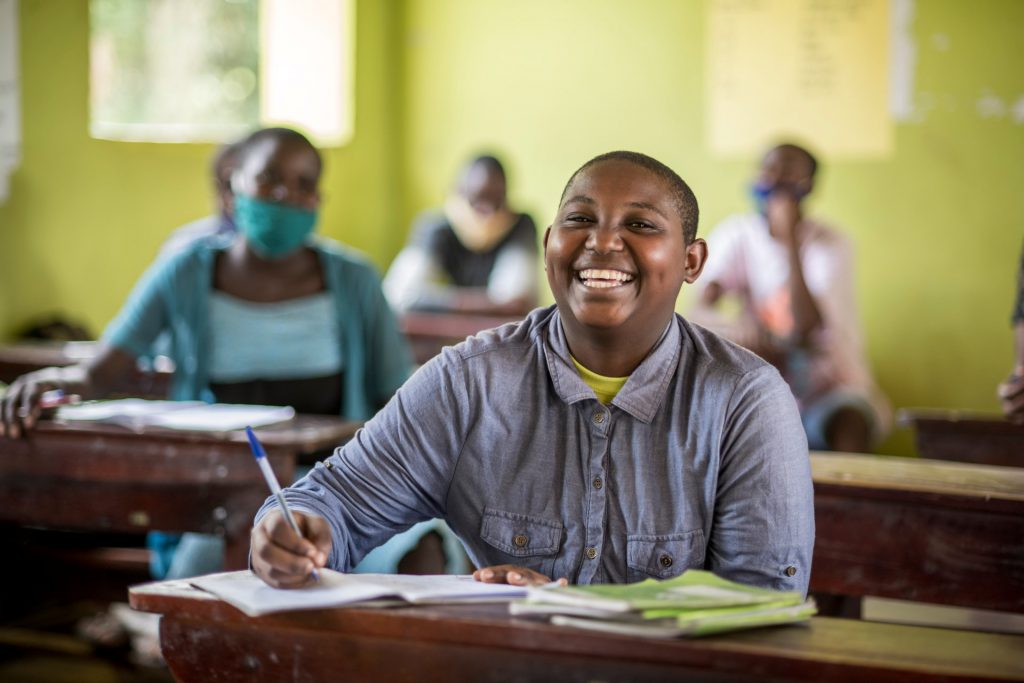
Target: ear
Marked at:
547, 233
696, 257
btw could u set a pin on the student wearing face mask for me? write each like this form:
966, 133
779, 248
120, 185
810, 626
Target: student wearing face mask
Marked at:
793, 276
475, 256
271, 314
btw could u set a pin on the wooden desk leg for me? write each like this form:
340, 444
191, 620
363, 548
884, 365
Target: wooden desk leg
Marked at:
236, 552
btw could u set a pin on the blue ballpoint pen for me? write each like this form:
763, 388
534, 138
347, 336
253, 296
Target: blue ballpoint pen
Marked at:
275, 488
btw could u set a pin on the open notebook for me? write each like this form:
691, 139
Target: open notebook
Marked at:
247, 592
136, 413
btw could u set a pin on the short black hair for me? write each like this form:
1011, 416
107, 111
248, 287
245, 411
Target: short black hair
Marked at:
683, 198
488, 161
225, 158
812, 161
282, 134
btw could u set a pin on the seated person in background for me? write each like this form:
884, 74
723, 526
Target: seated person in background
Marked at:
794, 277
476, 256
222, 166
269, 315
1011, 392
603, 439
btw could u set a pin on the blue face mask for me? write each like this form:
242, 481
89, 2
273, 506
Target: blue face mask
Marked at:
273, 230
760, 191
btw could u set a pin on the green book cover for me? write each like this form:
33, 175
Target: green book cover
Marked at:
731, 619
693, 590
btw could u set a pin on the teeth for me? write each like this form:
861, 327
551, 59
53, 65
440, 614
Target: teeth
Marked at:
604, 278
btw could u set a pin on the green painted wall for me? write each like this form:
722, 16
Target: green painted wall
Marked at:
548, 84
86, 217
938, 225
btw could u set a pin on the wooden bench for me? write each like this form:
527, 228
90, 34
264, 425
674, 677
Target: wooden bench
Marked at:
923, 530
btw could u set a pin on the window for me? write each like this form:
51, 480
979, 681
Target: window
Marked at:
212, 70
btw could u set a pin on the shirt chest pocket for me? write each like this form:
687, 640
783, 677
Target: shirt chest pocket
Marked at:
662, 556
522, 540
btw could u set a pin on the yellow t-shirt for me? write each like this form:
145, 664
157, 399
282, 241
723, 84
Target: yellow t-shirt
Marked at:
605, 387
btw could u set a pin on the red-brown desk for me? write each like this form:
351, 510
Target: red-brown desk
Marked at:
206, 640
925, 530
98, 477
429, 332
965, 436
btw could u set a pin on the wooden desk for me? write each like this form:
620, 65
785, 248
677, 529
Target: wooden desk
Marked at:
939, 532
97, 477
965, 437
428, 333
23, 357
204, 639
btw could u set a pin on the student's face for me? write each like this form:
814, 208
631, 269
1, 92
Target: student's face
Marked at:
483, 189
282, 171
615, 255
786, 168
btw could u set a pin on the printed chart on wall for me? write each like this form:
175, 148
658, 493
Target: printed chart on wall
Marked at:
812, 70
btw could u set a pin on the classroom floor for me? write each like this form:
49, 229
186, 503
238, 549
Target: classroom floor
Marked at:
44, 646
53, 583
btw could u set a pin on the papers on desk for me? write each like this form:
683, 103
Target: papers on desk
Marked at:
137, 413
696, 603
247, 592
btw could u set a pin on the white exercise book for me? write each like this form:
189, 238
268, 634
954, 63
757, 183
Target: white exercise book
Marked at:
247, 592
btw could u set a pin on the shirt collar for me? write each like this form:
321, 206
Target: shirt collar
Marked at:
644, 391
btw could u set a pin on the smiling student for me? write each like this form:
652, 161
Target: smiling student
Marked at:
603, 439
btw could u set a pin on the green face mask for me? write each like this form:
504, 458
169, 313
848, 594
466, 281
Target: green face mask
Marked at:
273, 230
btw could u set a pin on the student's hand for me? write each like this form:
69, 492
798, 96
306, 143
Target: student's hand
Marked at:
1011, 396
283, 559
19, 408
513, 575
783, 212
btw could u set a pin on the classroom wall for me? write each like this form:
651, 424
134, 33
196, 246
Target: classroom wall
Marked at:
86, 216
938, 224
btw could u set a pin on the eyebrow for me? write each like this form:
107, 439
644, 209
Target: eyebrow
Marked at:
649, 207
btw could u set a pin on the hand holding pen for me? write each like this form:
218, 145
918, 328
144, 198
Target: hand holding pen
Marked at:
287, 545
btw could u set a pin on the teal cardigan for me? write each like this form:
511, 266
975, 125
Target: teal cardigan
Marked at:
173, 297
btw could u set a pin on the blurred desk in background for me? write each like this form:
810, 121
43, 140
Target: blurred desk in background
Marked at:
428, 332
987, 439
107, 478
922, 530
22, 357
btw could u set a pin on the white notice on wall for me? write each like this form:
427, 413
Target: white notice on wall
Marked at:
816, 71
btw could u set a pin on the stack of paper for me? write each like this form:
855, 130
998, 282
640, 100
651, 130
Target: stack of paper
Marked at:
137, 413
247, 592
696, 603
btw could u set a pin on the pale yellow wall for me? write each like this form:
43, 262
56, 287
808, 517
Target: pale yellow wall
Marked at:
938, 225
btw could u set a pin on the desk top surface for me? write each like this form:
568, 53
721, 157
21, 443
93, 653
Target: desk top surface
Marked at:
824, 643
920, 479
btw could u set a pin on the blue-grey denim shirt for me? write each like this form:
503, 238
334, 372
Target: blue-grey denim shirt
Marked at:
700, 461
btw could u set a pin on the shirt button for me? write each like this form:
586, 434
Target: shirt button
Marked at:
790, 571
591, 553
598, 483
520, 540
665, 561
598, 418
